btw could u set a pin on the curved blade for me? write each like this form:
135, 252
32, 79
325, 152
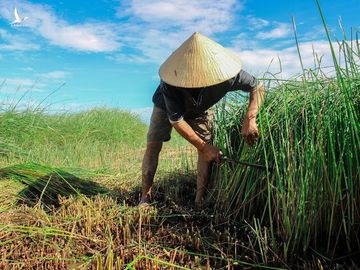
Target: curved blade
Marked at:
258, 166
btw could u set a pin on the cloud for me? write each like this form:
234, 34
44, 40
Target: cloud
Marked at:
57, 75
39, 82
202, 15
16, 42
281, 30
88, 36
244, 41
151, 29
18, 81
129, 58
27, 69
286, 61
19, 85
155, 28
160, 27
257, 23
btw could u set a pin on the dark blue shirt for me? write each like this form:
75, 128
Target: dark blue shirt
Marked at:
188, 103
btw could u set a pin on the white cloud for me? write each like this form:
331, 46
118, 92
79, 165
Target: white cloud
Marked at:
156, 27
281, 30
129, 58
39, 82
91, 37
57, 75
243, 41
257, 23
200, 15
19, 85
151, 29
258, 60
27, 69
15, 42
18, 81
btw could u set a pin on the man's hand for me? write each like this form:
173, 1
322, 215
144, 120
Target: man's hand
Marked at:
210, 153
250, 131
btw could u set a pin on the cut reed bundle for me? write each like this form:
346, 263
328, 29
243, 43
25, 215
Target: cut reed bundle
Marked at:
42, 184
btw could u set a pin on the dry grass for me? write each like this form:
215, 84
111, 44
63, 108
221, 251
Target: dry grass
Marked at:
106, 232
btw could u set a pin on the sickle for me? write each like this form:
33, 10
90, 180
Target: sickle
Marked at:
258, 166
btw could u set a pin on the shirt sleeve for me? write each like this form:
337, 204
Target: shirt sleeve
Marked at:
174, 103
244, 81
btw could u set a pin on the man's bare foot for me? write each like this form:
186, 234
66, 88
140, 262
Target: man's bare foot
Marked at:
199, 204
144, 201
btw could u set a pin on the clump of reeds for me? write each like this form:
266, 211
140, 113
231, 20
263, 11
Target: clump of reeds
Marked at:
92, 139
310, 135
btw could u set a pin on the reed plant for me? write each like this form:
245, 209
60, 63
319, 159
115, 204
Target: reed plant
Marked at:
94, 139
308, 199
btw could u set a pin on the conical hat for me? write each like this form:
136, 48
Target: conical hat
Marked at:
199, 62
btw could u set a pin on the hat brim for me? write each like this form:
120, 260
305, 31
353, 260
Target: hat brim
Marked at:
199, 62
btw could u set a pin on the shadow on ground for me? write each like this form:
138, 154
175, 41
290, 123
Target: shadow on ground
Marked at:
45, 185
173, 198
177, 187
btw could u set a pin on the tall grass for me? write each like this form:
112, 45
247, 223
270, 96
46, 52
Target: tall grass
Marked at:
91, 139
310, 133
50, 217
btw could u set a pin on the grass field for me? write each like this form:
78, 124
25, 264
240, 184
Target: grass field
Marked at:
70, 183
69, 189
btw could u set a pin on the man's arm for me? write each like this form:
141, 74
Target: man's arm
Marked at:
249, 129
209, 152
257, 96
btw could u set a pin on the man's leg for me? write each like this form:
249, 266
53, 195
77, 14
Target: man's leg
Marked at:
159, 132
149, 166
202, 178
203, 126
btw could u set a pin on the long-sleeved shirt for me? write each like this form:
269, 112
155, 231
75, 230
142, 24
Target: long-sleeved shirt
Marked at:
188, 103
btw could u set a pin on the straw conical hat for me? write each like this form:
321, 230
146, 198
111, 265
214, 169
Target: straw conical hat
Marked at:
199, 62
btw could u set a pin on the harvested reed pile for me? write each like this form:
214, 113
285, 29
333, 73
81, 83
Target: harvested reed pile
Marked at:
310, 134
37, 184
102, 233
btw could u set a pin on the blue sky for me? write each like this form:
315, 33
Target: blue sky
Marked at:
107, 53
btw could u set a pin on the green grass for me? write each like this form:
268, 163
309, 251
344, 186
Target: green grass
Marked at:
310, 134
74, 207
69, 185
86, 139
105, 144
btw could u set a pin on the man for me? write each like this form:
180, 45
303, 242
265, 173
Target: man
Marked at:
195, 77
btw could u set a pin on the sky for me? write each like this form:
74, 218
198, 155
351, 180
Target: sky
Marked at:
74, 55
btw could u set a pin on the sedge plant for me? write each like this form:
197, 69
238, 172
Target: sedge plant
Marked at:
310, 137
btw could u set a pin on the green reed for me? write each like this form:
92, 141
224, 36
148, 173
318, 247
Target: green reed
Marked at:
310, 134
